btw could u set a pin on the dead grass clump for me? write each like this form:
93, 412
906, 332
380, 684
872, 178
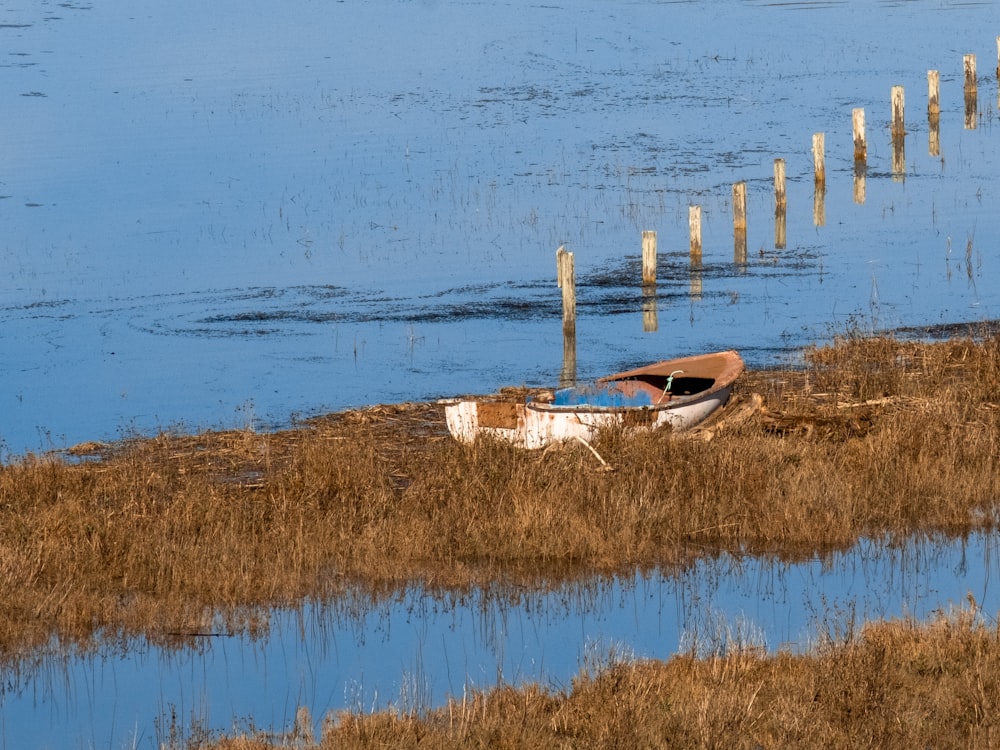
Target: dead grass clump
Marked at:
862, 368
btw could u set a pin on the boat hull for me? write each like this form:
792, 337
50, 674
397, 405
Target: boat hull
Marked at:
533, 424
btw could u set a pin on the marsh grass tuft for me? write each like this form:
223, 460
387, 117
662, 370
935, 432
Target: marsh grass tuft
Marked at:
175, 537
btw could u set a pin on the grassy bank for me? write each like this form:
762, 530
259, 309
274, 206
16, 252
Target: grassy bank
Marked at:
897, 685
155, 537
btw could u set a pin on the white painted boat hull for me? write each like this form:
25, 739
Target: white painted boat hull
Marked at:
534, 425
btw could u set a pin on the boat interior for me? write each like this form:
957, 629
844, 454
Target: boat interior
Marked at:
681, 385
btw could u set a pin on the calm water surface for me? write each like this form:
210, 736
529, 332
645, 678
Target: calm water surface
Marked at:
414, 650
244, 213
236, 214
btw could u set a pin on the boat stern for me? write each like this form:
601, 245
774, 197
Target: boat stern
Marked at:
467, 420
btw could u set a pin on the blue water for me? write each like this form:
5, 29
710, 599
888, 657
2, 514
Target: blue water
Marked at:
414, 650
239, 214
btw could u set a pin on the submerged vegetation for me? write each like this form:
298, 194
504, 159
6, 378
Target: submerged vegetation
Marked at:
169, 536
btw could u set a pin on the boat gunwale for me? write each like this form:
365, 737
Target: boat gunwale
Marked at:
724, 380
732, 368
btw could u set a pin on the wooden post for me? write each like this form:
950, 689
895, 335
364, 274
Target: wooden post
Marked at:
998, 58
694, 226
819, 204
969, 67
780, 194
567, 377
858, 126
648, 257
933, 113
933, 92
898, 133
740, 222
819, 188
971, 91
649, 318
780, 205
860, 161
898, 116
860, 155
567, 281
819, 157
898, 159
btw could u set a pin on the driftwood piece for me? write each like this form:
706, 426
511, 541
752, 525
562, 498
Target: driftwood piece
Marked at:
734, 414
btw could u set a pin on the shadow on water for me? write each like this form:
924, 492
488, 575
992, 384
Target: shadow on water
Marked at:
409, 650
608, 291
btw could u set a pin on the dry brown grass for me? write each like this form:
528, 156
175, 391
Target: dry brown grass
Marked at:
897, 685
160, 536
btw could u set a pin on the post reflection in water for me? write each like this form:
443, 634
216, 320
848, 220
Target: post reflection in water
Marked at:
650, 317
413, 650
696, 283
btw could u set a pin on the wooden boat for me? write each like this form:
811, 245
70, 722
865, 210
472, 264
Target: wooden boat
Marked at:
676, 392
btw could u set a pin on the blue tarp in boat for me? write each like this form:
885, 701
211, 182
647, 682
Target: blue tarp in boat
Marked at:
599, 395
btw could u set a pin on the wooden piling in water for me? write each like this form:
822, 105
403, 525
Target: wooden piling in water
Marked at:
898, 159
648, 257
566, 277
649, 317
933, 113
819, 172
694, 228
934, 135
567, 377
860, 154
780, 205
933, 92
858, 127
998, 72
969, 69
780, 194
567, 282
971, 91
898, 115
740, 222
898, 133
819, 157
